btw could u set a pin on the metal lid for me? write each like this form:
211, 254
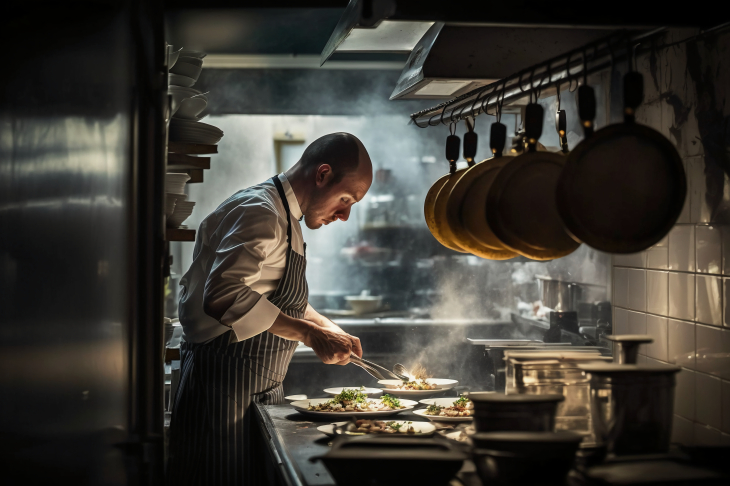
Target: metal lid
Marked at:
630, 338
627, 369
487, 397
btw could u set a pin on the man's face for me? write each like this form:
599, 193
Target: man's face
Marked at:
332, 201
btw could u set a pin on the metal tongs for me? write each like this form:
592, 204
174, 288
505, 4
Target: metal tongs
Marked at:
372, 368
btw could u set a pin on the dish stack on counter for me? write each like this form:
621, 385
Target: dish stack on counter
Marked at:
188, 137
543, 205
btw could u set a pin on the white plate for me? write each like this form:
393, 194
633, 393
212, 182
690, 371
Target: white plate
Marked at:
190, 108
422, 428
367, 391
437, 418
441, 402
441, 385
301, 406
180, 80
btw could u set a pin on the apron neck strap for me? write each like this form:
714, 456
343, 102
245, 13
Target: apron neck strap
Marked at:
282, 195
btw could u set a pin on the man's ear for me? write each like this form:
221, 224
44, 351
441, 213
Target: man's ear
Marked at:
324, 174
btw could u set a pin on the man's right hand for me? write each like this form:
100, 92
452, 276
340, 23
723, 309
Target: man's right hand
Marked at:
332, 347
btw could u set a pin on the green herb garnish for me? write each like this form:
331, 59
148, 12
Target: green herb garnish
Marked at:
347, 395
433, 410
461, 402
390, 401
394, 425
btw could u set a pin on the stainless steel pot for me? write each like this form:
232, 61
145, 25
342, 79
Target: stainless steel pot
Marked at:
632, 406
559, 295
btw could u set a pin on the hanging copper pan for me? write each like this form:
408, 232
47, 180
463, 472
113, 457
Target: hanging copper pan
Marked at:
521, 208
623, 187
466, 207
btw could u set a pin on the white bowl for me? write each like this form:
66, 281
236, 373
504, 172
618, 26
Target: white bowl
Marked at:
180, 80
187, 69
364, 304
190, 108
191, 60
181, 93
192, 53
172, 56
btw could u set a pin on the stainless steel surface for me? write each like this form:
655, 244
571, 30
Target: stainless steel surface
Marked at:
632, 407
81, 243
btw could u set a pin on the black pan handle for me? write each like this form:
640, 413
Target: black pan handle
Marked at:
497, 138
633, 95
534, 115
587, 108
561, 126
453, 144
470, 143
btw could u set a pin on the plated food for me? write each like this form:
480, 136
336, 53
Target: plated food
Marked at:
400, 428
461, 407
339, 389
353, 402
417, 387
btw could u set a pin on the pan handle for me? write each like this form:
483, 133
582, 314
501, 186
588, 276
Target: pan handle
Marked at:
633, 95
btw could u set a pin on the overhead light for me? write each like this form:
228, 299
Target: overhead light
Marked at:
388, 36
442, 88
288, 61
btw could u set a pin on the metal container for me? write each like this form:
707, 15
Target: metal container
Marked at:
495, 412
556, 373
559, 295
632, 406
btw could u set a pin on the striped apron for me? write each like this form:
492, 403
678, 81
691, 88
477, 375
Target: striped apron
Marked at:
210, 428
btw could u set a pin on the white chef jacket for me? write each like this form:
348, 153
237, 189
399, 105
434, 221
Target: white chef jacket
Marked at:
239, 258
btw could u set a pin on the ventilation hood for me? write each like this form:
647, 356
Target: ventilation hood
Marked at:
450, 60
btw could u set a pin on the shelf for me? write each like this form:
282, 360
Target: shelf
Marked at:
191, 148
179, 234
182, 161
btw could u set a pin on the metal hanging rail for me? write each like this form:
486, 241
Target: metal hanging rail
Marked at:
566, 68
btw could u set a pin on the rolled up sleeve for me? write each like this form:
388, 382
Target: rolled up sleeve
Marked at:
248, 234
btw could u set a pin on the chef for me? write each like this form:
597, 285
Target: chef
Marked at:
244, 308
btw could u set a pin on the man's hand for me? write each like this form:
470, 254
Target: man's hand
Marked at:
332, 346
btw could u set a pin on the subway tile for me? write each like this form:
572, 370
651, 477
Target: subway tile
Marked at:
706, 436
726, 406
656, 327
699, 208
708, 300
630, 260
681, 254
657, 257
637, 323
657, 292
637, 289
708, 247
713, 351
682, 431
684, 394
708, 400
621, 287
620, 321
726, 302
725, 243
682, 295
681, 343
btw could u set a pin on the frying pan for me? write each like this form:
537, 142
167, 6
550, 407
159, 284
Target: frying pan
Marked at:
433, 221
623, 187
467, 203
521, 208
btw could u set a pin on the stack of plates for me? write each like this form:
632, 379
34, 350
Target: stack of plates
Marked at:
182, 210
188, 66
187, 103
194, 132
175, 183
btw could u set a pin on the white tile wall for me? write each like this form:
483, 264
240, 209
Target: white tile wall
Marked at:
681, 343
708, 400
708, 302
682, 295
656, 327
657, 292
686, 276
684, 394
637, 289
708, 245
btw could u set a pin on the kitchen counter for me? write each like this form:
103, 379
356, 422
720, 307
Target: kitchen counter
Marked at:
291, 439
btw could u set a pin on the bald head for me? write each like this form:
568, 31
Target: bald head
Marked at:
341, 151
334, 173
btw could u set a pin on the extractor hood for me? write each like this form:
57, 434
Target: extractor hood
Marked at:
451, 60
